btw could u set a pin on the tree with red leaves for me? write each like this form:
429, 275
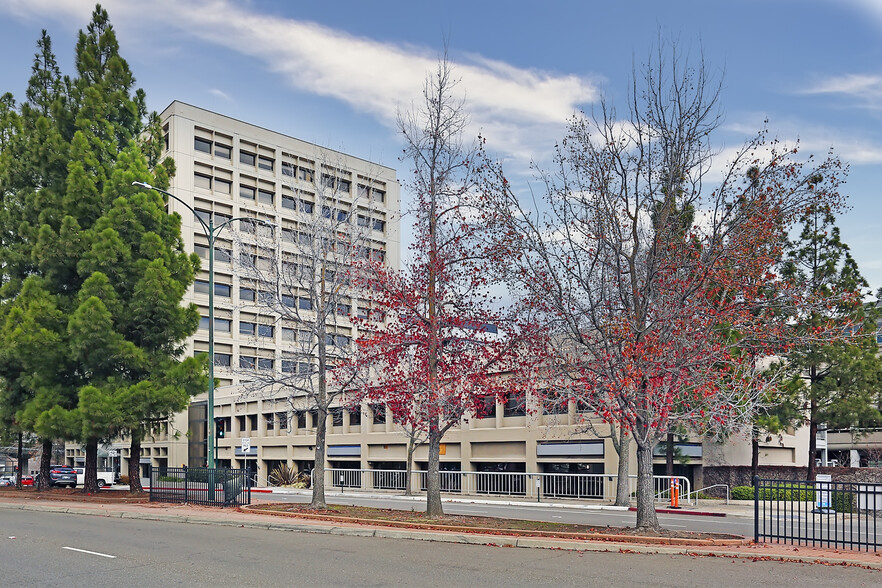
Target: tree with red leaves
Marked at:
659, 290
442, 349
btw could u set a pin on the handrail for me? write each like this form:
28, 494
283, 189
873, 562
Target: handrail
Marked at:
726, 486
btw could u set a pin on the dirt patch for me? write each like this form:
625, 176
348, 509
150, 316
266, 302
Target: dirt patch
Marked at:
74, 495
495, 526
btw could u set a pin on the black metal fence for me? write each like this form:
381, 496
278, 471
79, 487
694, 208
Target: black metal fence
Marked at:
206, 486
822, 514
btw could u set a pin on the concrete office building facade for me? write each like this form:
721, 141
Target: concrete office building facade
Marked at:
230, 168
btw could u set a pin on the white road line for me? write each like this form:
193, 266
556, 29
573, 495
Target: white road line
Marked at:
90, 552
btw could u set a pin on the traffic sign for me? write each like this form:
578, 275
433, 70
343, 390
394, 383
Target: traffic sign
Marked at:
246, 444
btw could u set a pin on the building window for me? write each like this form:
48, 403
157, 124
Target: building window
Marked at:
289, 366
202, 145
246, 192
265, 197
288, 169
304, 303
223, 186
247, 294
379, 196
247, 158
265, 363
266, 330
336, 416
223, 359
305, 174
289, 334
246, 328
223, 325
224, 151
265, 163
344, 185
247, 362
288, 300
301, 419
201, 181
379, 412
289, 202
514, 405
306, 207
355, 417
223, 290
200, 287
379, 225
362, 221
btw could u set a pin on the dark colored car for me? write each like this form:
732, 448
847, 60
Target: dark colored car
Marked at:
62, 476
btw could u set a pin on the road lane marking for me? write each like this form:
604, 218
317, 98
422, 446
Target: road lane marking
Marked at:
90, 552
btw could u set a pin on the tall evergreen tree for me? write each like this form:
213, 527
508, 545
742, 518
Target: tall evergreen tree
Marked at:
838, 381
97, 268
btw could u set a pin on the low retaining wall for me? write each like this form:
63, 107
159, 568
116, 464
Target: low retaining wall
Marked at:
742, 475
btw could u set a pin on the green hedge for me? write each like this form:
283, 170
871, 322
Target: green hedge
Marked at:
841, 501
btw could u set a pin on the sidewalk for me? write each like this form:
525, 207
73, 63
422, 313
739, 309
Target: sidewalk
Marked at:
229, 517
736, 508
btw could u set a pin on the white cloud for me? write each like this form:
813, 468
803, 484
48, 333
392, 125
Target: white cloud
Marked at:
220, 94
520, 110
866, 88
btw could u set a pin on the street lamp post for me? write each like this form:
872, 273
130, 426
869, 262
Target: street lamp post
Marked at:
211, 232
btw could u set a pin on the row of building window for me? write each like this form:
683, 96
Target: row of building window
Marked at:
251, 329
266, 163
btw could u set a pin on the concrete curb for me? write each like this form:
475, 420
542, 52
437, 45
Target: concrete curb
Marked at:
438, 536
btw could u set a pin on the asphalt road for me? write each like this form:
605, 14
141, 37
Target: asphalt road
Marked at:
55, 549
613, 518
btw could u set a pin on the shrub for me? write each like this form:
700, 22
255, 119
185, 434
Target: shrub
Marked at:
784, 492
742, 493
282, 476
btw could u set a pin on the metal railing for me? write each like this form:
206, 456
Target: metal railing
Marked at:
205, 486
700, 490
528, 485
824, 514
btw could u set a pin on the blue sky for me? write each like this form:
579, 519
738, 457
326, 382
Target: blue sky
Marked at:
335, 72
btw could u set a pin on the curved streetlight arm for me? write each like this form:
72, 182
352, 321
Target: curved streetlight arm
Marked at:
205, 227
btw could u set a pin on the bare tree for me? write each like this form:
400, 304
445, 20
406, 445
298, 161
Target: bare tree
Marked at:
661, 290
300, 278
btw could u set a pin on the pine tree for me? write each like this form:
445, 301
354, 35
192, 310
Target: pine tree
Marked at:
837, 381
97, 267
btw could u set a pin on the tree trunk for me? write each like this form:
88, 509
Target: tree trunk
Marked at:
135, 463
434, 507
646, 517
22, 462
669, 455
754, 454
623, 486
411, 446
318, 472
90, 472
813, 446
45, 463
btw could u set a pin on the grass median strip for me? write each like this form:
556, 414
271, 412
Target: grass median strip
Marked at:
491, 525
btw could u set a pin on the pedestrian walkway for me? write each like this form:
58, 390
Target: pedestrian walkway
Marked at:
230, 517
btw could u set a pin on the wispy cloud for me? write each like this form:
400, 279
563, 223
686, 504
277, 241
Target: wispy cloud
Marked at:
520, 109
220, 94
865, 88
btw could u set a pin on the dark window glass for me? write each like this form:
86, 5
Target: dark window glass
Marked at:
306, 207
265, 363
223, 186
265, 197
223, 359
200, 286
266, 330
379, 414
305, 174
288, 300
246, 192
337, 417
265, 163
202, 145
379, 225
246, 328
246, 158
288, 366
247, 361
355, 417
223, 290
224, 151
247, 294
304, 303
289, 202
287, 169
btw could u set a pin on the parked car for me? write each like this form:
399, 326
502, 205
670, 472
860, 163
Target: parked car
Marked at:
62, 476
27, 480
104, 478
6, 482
